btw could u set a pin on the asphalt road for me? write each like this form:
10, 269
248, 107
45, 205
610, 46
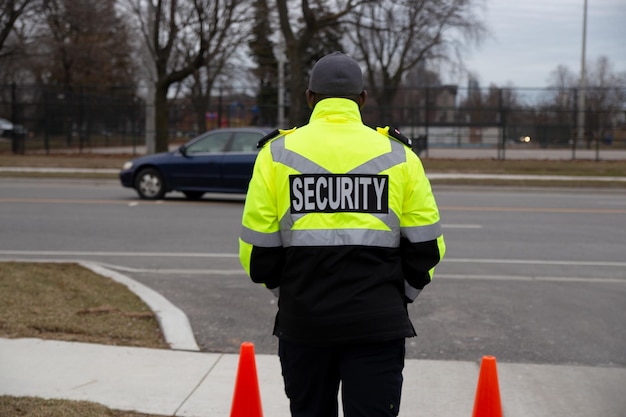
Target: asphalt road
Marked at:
531, 275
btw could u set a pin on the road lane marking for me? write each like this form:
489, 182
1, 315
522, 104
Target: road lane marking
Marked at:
177, 273
462, 226
530, 278
120, 254
535, 262
136, 203
535, 209
130, 203
236, 256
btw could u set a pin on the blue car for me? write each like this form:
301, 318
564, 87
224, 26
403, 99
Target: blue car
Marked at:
220, 160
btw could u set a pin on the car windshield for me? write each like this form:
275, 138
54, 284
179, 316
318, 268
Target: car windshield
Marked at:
245, 142
214, 142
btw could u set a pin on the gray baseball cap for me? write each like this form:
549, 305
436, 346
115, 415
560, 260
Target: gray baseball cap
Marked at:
336, 74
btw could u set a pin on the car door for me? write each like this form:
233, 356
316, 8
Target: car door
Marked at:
238, 160
199, 167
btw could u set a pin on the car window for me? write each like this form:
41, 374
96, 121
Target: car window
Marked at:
211, 143
245, 142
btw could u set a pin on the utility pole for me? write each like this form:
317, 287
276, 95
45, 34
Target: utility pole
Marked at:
280, 56
150, 126
281, 91
582, 85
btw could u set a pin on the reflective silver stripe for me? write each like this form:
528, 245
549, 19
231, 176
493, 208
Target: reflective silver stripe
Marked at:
390, 219
384, 161
266, 240
341, 237
286, 223
337, 237
410, 292
417, 234
293, 159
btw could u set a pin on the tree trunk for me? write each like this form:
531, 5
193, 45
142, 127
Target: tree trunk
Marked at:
298, 110
161, 110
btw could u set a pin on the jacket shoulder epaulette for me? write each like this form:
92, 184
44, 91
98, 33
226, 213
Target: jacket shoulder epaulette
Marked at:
273, 135
395, 134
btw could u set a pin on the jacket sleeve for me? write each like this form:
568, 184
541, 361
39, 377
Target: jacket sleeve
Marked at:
260, 245
421, 245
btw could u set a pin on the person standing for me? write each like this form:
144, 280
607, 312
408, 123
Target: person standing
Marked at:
340, 222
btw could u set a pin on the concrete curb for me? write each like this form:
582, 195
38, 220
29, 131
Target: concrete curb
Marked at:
174, 322
457, 176
61, 170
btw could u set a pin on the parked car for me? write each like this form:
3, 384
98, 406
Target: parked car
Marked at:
7, 128
220, 160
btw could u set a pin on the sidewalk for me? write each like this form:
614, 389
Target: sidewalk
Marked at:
187, 382
180, 383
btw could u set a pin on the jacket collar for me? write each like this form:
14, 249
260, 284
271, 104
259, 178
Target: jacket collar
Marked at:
336, 110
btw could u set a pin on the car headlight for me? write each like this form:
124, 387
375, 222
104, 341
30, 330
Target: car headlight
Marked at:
127, 165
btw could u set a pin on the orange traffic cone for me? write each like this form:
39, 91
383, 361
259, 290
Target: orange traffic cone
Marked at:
487, 403
247, 397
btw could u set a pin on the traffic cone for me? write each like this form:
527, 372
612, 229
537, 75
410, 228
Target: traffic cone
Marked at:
487, 403
247, 397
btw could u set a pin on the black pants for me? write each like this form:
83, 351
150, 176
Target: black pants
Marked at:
370, 377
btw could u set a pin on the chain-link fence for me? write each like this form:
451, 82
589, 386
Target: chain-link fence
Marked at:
34, 119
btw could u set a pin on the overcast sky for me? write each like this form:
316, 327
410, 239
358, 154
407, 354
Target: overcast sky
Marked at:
530, 38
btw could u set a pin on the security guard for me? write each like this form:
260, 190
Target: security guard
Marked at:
341, 224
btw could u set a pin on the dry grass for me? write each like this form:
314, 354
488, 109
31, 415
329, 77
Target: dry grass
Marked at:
528, 166
38, 407
71, 303
68, 302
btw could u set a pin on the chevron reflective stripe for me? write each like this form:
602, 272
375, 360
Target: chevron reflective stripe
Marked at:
425, 233
293, 159
302, 164
384, 161
266, 240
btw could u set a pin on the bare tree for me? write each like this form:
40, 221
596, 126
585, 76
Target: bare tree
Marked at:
302, 30
219, 69
393, 36
80, 49
83, 44
562, 78
605, 96
266, 70
10, 12
182, 36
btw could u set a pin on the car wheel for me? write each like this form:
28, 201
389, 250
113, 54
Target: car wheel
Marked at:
149, 184
193, 195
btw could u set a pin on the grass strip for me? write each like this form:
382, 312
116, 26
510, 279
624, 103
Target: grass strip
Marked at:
64, 301
39, 407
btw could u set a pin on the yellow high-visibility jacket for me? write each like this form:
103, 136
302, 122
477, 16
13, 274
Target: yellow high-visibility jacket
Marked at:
341, 223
